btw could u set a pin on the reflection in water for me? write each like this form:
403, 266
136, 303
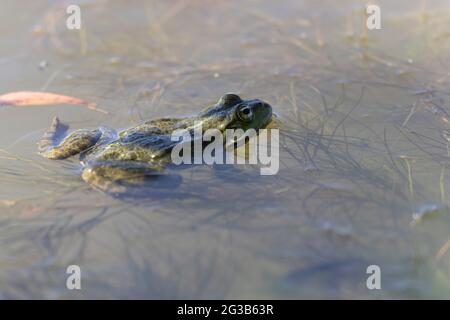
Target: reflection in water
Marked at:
362, 120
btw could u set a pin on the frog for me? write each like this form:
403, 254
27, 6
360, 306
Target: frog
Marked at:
113, 161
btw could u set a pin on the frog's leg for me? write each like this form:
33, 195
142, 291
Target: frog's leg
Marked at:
55, 144
117, 176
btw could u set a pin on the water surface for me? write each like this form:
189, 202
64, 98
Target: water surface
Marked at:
364, 156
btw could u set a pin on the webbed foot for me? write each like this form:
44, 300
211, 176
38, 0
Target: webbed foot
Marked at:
55, 144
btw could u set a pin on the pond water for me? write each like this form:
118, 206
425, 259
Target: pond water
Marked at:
364, 161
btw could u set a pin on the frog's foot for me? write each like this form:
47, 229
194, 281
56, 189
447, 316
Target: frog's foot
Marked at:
55, 144
114, 176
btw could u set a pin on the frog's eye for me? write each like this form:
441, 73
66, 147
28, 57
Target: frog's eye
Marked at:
230, 99
245, 113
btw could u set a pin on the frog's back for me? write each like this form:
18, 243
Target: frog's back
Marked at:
147, 142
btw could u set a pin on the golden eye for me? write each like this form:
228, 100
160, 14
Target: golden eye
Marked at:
245, 113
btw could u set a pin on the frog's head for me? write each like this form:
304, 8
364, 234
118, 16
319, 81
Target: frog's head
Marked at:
231, 112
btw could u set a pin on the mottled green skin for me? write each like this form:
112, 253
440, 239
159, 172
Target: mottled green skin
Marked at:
114, 161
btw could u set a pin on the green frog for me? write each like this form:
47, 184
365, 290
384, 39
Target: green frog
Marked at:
113, 161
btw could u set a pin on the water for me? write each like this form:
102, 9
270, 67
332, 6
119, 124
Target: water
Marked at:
363, 162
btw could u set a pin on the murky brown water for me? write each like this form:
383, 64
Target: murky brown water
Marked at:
363, 120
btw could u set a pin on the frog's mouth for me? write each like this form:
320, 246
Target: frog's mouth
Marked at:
272, 121
240, 141
269, 119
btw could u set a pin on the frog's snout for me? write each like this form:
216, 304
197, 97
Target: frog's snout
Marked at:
267, 107
265, 110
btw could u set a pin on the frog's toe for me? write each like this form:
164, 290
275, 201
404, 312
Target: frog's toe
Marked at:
52, 136
56, 144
